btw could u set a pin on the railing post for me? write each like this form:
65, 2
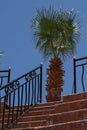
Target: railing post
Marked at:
9, 74
7, 77
8, 81
74, 73
41, 82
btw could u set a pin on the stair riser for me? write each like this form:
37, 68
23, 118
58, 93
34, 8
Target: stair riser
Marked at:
59, 118
34, 118
33, 124
70, 126
39, 108
64, 107
47, 104
67, 117
31, 113
10, 116
5, 121
75, 97
69, 98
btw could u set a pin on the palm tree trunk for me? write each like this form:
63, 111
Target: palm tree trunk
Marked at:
54, 80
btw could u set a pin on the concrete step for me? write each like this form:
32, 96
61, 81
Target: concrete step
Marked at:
69, 99
75, 115
47, 103
39, 112
30, 124
63, 106
33, 118
57, 117
72, 125
43, 107
27, 128
74, 97
7, 113
69, 106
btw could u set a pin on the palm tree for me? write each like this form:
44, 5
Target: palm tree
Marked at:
56, 33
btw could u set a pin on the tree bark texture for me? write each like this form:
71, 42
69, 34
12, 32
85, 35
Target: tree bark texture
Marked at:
54, 80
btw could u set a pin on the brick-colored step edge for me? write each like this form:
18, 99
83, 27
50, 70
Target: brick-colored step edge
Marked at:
80, 124
76, 114
67, 98
65, 126
69, 106
52, 119
30, 124
44, 107
28, 128
63, 106
47, 103
40, 112
34, 118
73, 97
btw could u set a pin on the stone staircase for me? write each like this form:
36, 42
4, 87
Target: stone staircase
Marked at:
68, 114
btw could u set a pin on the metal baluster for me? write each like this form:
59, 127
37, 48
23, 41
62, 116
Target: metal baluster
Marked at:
40, 83
13, 105
25, 95
32, 94
74, 67
21, 99
18, 103
35, 90
82, 78
38, 89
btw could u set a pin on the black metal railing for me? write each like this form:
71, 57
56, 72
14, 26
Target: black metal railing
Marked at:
22, 94
81, 63
4, 78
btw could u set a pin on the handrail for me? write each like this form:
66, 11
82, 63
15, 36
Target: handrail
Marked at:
80, 62
21, 94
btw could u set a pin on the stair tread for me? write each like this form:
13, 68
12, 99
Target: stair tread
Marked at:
43, 107
59, 104
71, 101
41, 110
49, 126
30, 124
31, 121
70, 122
85, 109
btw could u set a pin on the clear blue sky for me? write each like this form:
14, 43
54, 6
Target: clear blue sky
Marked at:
17, 41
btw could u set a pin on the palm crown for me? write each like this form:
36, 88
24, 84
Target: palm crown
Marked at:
56, 32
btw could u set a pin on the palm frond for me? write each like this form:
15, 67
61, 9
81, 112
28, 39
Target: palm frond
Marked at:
1, 52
